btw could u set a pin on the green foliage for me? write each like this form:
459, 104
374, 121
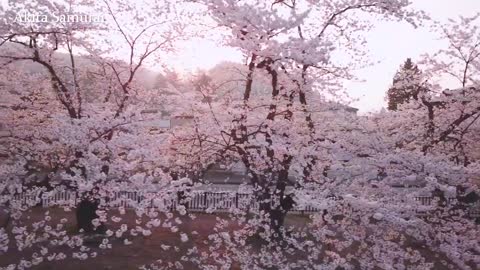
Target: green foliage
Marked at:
407, 84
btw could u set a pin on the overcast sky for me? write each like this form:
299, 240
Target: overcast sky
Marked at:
390, 43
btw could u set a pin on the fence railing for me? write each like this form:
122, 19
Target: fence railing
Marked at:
428, 201
198, 201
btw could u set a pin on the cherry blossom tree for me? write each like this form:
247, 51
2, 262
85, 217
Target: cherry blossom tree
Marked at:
286, 134
58, 132
447, 120
279, 41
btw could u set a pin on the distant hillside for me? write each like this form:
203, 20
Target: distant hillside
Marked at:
148, 78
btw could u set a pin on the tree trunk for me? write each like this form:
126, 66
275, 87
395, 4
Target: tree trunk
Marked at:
86, 212
182, 200
276, 210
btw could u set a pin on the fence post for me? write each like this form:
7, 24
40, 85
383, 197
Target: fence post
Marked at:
236, 200
205, 206
44, 200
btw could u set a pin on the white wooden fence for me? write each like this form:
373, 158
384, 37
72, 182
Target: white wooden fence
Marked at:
199, 201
